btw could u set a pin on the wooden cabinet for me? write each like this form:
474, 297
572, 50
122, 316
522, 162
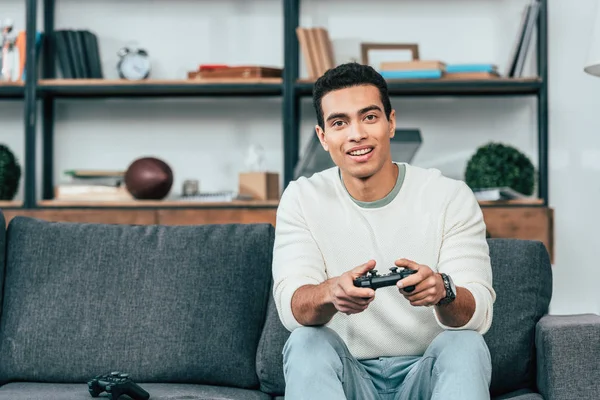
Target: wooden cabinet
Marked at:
216, 216
530, 223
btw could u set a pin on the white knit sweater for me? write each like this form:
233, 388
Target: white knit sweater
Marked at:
434, 220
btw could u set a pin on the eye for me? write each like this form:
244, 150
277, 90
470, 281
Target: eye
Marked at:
371, 117
337, 123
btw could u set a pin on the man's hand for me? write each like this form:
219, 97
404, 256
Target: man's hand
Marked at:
317, 304
348, 298
429, 290
429, 286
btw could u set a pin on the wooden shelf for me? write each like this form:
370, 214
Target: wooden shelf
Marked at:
512, 203
226, 204
451, 87
157, 204
94, 88
12, 90
11, 204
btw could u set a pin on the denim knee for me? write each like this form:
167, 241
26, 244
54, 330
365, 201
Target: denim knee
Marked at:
461, 349
459, 341
313, 340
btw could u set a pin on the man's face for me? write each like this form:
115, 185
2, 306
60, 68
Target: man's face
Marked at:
357, 133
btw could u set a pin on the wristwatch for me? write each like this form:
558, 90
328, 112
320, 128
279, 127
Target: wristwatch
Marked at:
450, 290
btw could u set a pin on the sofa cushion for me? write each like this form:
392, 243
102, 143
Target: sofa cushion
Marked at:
522, 279
157, 391
177, 304
269, 359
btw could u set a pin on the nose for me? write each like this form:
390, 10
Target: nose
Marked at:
356, 133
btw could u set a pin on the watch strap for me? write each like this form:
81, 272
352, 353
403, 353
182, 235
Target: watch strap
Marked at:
450, 295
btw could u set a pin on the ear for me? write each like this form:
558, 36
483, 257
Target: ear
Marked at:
392, 123
321, 135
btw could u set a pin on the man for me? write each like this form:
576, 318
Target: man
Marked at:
367, 212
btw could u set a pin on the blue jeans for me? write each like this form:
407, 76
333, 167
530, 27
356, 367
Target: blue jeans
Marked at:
317, 365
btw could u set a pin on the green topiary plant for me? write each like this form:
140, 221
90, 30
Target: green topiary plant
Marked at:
498, 165
10, 173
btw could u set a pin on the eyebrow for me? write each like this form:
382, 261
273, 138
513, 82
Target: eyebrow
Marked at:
360, 112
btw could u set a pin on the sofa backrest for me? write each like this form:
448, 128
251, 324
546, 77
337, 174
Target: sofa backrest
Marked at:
522, 278
164, 303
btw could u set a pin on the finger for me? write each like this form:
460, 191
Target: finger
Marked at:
422, 295
363, 269
358, 301
426, 302
349, 307
347, 286
424, 285
410, 264
412, 280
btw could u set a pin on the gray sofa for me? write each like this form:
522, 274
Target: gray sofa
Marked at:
187, 311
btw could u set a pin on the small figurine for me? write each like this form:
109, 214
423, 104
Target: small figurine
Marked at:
8, 58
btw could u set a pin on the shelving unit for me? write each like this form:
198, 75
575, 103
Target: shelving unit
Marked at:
291, 89
12, 91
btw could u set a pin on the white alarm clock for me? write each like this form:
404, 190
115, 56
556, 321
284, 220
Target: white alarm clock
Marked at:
134, 65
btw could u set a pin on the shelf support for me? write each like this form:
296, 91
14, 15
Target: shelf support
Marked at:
291, 101
30, 106
542, 61
49, 72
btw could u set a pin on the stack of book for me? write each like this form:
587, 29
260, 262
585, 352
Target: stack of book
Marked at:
92, 185
77, 54
317, 50
422, 69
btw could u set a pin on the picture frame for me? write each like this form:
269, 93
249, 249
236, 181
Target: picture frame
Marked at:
407, 50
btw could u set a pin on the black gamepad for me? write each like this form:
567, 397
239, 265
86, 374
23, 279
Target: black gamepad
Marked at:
116, 384
374, 281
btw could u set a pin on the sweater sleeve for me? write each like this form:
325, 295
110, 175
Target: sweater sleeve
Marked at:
464, 256
297, 260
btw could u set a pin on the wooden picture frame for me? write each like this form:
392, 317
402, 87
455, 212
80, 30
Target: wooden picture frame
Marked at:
366, 47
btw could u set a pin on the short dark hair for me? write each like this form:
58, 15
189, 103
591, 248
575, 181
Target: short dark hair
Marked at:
348, 75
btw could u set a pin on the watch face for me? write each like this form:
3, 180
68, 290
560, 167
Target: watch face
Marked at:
134, 67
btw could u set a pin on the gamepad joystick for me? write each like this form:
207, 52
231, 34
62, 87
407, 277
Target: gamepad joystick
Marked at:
115, 385
374, 281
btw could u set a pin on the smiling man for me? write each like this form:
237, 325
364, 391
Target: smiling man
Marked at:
370, 212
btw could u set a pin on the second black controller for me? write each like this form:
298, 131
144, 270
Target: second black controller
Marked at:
374, 281
115, 385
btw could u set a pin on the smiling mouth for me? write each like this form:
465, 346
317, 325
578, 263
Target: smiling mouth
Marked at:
360, 152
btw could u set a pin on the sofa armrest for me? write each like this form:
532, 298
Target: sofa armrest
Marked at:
568, 350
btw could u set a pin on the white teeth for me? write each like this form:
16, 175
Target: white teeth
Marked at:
360, 152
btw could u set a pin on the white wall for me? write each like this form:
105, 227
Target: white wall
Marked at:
207, 139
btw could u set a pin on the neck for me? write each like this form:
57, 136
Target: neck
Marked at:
375, 187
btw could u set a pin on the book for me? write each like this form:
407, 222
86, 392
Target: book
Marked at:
412, 65
412, 74
85, 192
497, 193
242, 71
463, 68
472, 75
518, 54
317, 50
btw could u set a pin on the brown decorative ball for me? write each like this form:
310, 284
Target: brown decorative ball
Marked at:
149, 178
